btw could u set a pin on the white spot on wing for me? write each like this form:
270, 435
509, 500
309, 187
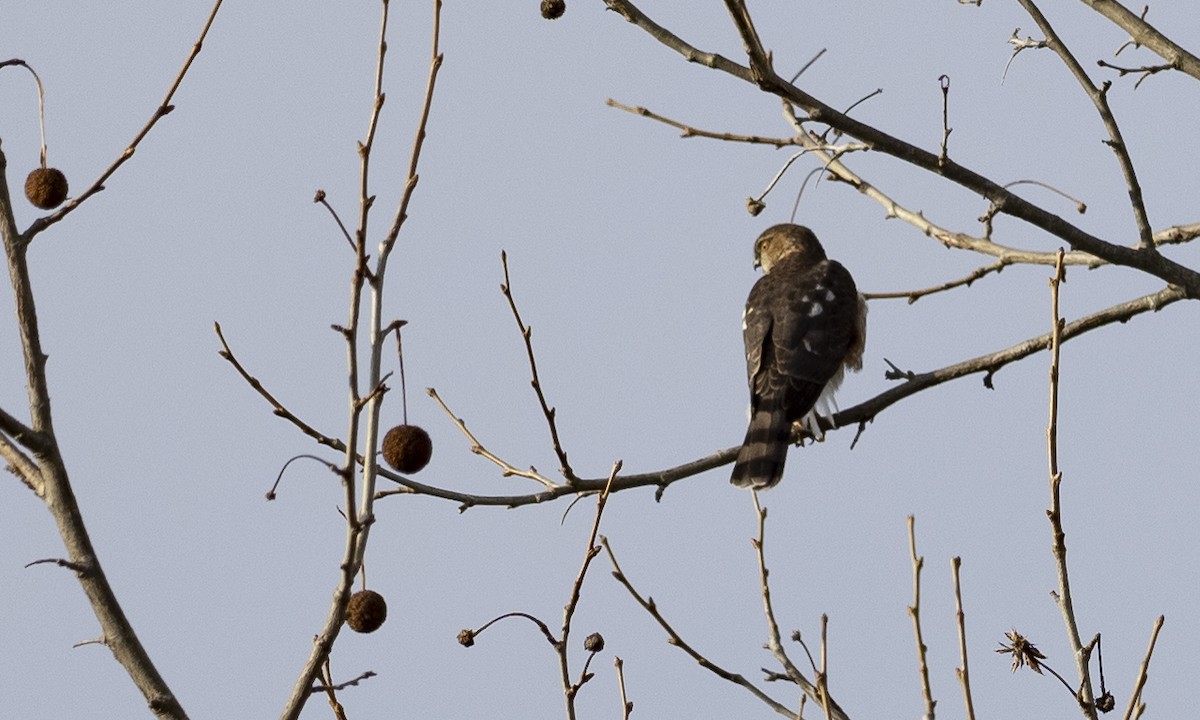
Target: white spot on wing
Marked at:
829, 296
825, 406
815, 310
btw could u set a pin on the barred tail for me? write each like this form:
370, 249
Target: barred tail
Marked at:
760, 461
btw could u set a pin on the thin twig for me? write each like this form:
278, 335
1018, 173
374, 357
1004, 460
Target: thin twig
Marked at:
1081, 655
944, 83
914, 611
478, 448
963, 672
278, 407
1145, 70
823, 675
687, 131
915, 295
320, 198
1136, 706
626, 705
549, 412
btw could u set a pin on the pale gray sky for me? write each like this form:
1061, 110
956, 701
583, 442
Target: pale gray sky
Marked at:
630, 254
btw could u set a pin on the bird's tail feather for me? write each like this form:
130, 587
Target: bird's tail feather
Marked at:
760, 461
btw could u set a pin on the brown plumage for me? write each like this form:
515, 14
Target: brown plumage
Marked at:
804, 324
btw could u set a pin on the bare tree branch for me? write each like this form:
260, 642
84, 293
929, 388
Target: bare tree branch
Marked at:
50, 479
914, 612
1004, 201
1099, 98
860, 414
1146, 35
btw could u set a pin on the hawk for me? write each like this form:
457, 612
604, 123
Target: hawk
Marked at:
804, 324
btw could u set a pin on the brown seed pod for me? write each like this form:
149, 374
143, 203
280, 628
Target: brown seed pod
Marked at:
46, 188
366, 612
594, 643
553, 9
407, 448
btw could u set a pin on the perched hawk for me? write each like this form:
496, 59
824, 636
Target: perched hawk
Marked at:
804, 324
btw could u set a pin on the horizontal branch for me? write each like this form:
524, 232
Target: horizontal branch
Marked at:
859, 415
993, 362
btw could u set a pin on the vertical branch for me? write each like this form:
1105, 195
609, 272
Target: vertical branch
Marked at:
823, 675
360, 500
626, 706
570, 689
1082, 655
914, 611
964, 674
53, 482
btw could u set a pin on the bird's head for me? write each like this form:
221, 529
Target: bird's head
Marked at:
779, 241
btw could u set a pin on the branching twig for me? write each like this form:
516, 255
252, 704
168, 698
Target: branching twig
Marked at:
360, 499
915, 295
1145, 70
1018, 45
594, 643
1099, 97
675, 639
570, 689
1145, 34
774, 641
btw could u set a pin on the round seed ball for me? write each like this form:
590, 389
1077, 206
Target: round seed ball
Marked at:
46, 188
407, 448
366, 612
